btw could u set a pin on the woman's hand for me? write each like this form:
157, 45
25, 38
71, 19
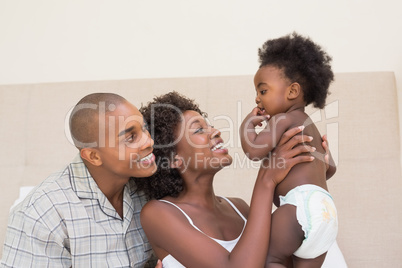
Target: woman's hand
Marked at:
158, 264
329, 161
325, 145
286, 155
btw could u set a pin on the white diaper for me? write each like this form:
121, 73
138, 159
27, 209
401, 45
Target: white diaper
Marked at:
316, 213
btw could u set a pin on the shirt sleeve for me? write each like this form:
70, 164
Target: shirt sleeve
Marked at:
30, 243
151, 263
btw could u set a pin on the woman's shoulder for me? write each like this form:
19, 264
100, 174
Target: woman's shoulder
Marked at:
159, 208
152, 208
241, 205
154, 205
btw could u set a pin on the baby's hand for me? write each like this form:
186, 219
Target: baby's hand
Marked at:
260, 111
257, 116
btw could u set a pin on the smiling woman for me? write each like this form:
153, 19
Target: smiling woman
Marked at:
197, 223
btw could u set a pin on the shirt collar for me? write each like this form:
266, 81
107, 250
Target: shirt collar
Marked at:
81, 180
83, 183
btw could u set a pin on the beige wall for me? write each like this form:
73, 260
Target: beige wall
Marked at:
57, 41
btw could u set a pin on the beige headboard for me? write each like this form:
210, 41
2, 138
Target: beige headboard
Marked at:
361, 120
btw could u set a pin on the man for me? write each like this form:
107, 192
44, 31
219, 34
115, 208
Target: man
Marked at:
88, 215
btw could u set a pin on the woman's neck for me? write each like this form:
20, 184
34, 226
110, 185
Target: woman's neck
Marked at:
198, 189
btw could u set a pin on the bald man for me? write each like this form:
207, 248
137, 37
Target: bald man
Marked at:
88, 215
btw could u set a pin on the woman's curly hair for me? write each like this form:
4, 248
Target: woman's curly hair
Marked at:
302, 61
163, 115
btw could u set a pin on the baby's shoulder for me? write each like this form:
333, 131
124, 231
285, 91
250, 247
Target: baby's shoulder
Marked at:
288, 119
297, 114
296, 118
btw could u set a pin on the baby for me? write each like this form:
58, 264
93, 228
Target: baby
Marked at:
294, 72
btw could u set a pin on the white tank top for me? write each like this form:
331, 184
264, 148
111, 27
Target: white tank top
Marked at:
170, 262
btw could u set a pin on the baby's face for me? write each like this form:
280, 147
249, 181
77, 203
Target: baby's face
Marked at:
271, 87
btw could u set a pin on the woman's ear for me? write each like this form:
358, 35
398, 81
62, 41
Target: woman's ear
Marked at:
176, 162
91, 155
294, 91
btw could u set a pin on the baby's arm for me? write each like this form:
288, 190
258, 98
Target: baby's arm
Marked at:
257, 146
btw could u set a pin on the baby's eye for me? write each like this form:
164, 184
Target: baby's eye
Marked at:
262, 92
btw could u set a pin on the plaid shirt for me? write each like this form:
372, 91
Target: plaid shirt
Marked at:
68, 222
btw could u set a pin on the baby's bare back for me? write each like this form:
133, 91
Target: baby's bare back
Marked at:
305, 173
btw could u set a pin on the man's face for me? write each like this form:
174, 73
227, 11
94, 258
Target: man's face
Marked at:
125, 145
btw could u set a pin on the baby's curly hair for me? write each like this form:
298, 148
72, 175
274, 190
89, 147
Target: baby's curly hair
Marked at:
163, 115
302, 61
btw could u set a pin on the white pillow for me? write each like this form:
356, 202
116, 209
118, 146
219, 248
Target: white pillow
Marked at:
24, 191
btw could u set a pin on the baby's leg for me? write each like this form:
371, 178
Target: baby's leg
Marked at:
286, 236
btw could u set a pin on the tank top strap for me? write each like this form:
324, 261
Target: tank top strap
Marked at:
184, 213
234, 207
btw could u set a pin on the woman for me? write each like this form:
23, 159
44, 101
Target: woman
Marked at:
186, 223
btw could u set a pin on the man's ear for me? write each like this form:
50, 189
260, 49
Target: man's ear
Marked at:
176, 162
91, 155
294, 91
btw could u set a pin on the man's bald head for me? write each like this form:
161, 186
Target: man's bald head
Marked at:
84, 119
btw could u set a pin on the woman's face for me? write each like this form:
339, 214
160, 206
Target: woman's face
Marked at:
200, 147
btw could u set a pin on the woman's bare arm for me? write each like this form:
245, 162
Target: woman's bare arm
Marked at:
169, 231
